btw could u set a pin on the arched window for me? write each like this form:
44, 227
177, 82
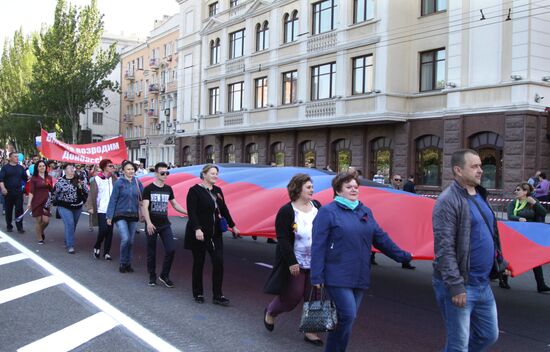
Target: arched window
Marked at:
215, 51
342, 154
186, 156
290, 25
381, 157
229, 154
489, 145
252, 153
262, 36
209, 154
278, 154
429, 160
307, 154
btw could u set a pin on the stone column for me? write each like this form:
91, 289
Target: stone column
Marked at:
401, 147
513, 163
453, 136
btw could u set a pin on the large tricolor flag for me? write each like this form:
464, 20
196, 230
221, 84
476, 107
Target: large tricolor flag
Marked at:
254, 194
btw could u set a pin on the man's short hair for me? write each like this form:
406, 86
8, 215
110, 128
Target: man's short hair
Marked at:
12, 153
459, 158
159, 165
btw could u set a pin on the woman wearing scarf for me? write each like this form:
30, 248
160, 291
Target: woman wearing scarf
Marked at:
101, 188
343, 233
525, 208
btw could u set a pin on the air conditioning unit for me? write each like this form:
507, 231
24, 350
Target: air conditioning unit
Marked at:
166, 112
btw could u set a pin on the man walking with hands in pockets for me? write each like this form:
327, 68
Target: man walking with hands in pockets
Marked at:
467, 254
155, 211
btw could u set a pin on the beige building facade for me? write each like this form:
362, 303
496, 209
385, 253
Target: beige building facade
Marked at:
149, 95
394, 86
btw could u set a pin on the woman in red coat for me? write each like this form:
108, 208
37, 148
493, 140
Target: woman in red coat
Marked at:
40, 187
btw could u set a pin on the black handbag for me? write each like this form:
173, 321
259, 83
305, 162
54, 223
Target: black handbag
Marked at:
318, 316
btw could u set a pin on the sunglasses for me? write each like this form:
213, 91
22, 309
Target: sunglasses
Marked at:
164, 173
397, 179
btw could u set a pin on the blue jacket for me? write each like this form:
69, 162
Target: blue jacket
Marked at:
341, 248
125, 198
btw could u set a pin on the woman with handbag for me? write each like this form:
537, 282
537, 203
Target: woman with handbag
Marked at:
208, 219
39, 193
69, 194
101, 188
290, 277
525, 208
124, 211
343, 233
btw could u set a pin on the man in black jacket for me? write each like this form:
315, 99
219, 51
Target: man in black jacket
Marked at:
12, 180
467, 253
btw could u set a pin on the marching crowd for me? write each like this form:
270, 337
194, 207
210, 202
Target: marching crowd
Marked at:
319, 247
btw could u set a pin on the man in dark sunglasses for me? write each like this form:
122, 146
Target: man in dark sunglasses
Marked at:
396, 182
155, 210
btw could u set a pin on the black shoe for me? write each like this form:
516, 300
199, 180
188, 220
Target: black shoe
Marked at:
408, 265
10, 229
122, 268
254, 238
166, 281
271, 240
373, 260
40, 242
129, 268
199, 298
268, 326
153, 280
503, 284
543, 289
316, 342
221, 300
20, 230
43, 237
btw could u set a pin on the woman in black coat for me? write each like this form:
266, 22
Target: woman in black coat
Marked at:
208, 219
290, 279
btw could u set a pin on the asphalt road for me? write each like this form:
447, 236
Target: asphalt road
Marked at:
398, 313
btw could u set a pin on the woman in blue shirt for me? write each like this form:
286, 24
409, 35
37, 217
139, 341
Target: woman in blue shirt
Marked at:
343, 233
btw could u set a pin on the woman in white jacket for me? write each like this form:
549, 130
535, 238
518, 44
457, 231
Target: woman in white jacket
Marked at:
101, 187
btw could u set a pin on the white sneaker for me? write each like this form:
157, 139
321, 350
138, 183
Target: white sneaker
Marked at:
107, 256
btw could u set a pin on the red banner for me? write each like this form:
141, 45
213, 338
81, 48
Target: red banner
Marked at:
113, 149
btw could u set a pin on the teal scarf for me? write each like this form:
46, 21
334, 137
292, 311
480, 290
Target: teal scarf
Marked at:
346, 202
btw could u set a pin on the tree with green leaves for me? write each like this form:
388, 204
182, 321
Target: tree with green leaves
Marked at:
16, 102
71, 69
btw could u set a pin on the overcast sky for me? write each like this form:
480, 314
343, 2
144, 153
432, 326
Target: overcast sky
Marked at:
128, 16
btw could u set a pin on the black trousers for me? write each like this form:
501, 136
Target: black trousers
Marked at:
167, 238
14, 199
215, 249
104, 233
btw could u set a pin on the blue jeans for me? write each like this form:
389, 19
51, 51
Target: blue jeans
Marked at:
347, 301
70, 220
127, 230
474, 327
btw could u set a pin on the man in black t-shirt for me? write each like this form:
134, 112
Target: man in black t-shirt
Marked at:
12, 181
156, 197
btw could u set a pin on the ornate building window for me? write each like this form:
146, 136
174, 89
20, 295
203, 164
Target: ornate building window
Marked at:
290, 27
229, 154
342, 154
186, 156
215, 53
262, 36
489, 145
381, 157
209, 154
307, 154
252, 153
278, 153
429, 160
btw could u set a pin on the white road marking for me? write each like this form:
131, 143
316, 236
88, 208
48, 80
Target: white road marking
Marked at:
74, 335
19, 291
12, 258
2, 240
133, 326
264, 265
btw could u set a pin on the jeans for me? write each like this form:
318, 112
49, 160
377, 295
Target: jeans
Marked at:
167, 238
127, 230
298, 287
472, 328
105, 232
13, 199
70, 220
215, 249
347, 301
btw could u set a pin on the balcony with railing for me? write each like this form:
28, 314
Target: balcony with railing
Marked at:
153, 113
320, 109
167, 59
233, 119
154, 88
129, 96
129, 75
127, 118
154, 63
172, 87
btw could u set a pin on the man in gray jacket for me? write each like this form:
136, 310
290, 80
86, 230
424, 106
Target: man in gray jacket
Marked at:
467, 254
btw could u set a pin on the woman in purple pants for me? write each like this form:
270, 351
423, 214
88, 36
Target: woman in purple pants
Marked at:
290, 279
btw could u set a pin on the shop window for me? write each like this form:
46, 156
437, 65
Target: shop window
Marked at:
489, 146
381, 157
429, 160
